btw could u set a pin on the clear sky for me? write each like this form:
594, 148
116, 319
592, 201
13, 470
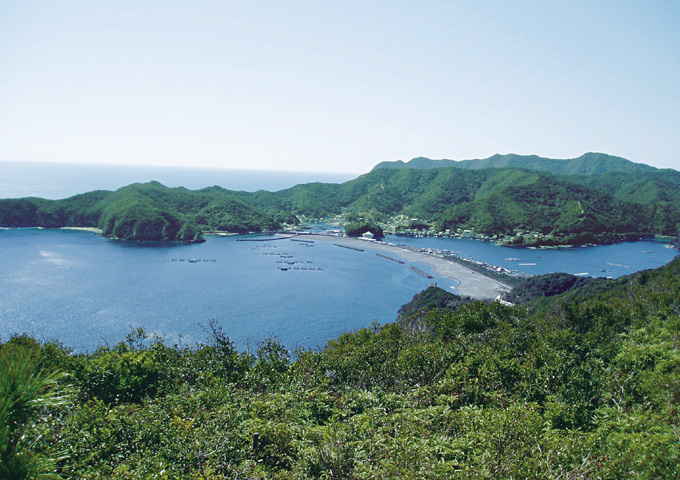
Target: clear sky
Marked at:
337, 85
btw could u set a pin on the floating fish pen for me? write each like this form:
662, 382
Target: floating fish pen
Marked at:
347, 246
420, 272
301, 269
190, 260
389, 258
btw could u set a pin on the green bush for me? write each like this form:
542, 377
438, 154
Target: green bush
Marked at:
26, 391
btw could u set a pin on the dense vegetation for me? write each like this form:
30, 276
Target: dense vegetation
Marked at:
429, 299
146, 212
589, 388
602, 199
530, 288
659, 186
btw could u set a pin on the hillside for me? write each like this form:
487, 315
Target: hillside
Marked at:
506, 202
458, 390
657, 187
150, 212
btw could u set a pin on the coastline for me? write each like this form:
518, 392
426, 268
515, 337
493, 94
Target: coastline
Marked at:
470, 283
83, 229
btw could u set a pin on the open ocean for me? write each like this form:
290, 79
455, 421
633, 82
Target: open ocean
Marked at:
86, 290
62, 180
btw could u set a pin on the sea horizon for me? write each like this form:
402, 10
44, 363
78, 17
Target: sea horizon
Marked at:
52, 180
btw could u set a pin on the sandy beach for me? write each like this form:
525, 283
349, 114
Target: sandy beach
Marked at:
470, 283
84, 229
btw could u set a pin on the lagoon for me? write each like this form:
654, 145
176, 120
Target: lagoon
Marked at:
594, 261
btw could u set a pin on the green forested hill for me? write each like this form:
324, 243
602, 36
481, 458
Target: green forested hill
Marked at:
587, 388
522, 204
659, 187
145, 212
587, 164
493, 201
496, 201
566, 212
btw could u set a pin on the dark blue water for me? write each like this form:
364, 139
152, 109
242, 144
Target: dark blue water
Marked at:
594, 261
86, 290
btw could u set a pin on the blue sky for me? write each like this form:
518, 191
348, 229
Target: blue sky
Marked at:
337, 86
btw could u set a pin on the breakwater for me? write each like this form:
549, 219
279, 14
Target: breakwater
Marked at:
389, 258
420, 272
348, 247
263, 239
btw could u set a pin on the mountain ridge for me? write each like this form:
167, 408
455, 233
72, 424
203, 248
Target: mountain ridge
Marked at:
587, 164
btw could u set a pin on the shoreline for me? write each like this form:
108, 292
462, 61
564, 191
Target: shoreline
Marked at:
83, 229
470, 283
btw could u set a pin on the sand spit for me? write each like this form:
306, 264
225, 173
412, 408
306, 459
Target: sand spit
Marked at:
470, 283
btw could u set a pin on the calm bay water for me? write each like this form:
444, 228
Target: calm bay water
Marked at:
598, 261
85, 290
